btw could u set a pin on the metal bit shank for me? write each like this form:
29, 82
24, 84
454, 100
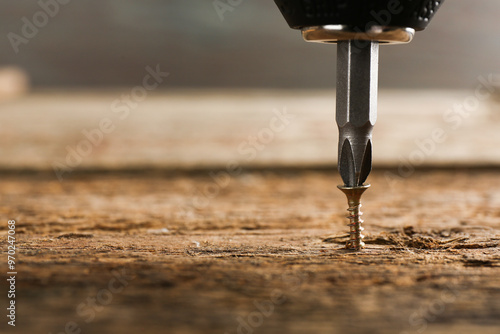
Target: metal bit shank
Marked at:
357, 80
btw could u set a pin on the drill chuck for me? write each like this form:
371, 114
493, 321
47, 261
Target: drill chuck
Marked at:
359, 14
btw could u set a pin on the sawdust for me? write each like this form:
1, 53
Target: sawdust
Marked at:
409, 237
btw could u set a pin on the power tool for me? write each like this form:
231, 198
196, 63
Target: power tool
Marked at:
358, 27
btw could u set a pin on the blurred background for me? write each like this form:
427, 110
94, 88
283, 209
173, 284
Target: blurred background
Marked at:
109, 42
228, 70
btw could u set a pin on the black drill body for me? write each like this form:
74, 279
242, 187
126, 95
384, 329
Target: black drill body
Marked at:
360, 14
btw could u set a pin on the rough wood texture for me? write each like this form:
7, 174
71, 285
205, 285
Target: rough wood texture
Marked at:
263, 255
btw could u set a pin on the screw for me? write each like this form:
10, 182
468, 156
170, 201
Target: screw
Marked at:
354, 200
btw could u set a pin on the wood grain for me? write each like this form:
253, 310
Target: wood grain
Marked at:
264, 251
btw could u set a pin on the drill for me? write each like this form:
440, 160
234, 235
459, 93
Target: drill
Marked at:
358, 27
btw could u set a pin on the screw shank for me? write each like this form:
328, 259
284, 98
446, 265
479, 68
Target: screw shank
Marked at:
353, 195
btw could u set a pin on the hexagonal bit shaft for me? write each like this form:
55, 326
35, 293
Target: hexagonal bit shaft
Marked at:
357, 80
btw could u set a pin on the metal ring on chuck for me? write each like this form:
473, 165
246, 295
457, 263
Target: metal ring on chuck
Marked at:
336, 33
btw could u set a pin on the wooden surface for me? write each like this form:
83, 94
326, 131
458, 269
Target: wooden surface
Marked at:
265, 250
197, 251
193, 129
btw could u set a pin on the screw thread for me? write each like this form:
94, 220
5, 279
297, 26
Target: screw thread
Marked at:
356, 238
354, 200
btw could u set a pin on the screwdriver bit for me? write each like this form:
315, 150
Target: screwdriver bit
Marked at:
358, 27
357, 80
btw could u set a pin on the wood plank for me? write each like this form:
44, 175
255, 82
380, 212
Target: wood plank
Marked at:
266, 248
211, 128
